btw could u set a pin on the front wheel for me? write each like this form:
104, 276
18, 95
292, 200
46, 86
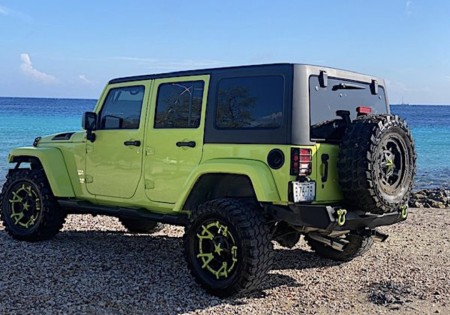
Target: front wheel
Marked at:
29, 210
228, 246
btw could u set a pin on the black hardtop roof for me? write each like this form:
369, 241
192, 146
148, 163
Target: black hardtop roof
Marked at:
199, 72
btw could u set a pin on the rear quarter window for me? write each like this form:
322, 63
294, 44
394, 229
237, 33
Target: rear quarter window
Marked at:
250, 103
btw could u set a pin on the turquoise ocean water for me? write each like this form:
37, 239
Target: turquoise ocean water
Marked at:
23, 119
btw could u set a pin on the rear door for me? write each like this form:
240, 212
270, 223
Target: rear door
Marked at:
174, 139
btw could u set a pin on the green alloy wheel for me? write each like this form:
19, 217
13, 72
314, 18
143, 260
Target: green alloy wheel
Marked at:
228, 246
28, 208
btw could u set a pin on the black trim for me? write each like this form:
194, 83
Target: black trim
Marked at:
84, 207
210, 71
275, 159
324, 217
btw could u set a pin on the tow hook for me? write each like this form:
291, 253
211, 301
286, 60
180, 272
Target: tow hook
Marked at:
403, 211
341, 213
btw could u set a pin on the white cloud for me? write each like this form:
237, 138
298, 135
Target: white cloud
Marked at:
4, 10
409, 7
169, 65
84, 79
31, 72
15, 14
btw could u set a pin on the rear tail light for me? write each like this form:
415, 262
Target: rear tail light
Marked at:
301, 161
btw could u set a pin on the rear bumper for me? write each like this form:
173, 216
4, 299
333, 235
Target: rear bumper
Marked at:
326, 217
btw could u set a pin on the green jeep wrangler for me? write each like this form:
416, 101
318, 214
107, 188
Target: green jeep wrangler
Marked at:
240, 156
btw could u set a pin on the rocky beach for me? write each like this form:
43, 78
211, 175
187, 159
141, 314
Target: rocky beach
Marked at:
95, 267
430, 198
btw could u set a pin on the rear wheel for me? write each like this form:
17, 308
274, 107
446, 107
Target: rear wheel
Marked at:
355, 245
29, 210
228, 246
141, 226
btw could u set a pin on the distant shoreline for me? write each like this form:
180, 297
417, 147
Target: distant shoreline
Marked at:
95, 99
50, 98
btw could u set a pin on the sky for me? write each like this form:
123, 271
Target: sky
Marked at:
53, 48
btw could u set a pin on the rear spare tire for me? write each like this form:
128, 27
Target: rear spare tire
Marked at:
377, 164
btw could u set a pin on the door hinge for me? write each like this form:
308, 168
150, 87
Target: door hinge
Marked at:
88, 179
149, 184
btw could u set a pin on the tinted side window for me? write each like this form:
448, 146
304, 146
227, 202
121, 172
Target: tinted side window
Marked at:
122, 108
179, 105
250, 103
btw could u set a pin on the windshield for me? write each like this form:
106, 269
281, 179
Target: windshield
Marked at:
339, 95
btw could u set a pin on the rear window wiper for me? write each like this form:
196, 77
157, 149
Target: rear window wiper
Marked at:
348, 86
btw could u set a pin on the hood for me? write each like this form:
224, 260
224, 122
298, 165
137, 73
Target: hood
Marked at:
61, 137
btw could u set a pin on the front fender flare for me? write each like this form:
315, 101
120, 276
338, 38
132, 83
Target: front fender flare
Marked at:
54, 166
258, 173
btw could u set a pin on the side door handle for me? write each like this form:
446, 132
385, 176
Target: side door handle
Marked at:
135, 143
190, 144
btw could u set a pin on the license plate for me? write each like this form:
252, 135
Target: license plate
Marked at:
304, 191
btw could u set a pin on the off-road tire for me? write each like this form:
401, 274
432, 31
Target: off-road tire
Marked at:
29, 210
141, 226
232, 223
377, 164
357, 246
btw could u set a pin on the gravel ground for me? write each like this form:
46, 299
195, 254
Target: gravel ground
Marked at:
94, 267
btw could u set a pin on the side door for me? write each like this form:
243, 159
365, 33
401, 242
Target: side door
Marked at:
114, 159
174, 139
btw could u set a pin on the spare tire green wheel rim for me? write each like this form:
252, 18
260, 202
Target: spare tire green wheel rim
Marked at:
217, 251
25, 205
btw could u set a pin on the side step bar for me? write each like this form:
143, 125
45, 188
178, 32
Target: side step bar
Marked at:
83, 207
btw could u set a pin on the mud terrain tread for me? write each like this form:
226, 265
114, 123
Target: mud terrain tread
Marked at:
52, 217
254, 234
357, 157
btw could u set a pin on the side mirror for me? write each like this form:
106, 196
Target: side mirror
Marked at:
89, 123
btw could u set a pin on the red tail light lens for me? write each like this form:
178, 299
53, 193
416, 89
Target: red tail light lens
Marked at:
301, 161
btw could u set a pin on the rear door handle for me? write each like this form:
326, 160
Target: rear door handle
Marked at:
190, 144
135, 143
